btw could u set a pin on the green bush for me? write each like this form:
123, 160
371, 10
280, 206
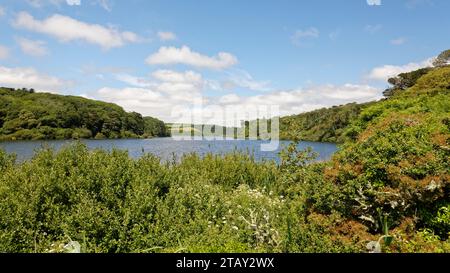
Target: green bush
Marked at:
111, 203
398, 162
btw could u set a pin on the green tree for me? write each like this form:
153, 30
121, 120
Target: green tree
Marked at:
442, 59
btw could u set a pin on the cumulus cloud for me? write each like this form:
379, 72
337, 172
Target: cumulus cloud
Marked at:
4, 52
168, 91
177, 77
302, 100
383, 73
157, 95
31, 47
184, 55
166, 36
374, 2
67, 29
301, 37
181, 86
30, 78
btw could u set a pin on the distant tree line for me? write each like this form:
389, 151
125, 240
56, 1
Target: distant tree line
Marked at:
26, 115
322, 125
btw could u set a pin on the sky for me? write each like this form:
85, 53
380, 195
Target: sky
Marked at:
153, 56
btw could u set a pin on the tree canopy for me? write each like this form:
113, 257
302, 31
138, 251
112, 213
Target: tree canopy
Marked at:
25, 115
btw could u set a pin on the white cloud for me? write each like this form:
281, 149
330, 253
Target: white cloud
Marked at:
166, 36
181, 86
229, 99
300, 37
67, 29
30, 78
184, 55
177, 77
302, 100
398, 41
374, 2
241, 78
383, 73
130, 94
2, 11
184, 90
73, 2
32, 48
4, 52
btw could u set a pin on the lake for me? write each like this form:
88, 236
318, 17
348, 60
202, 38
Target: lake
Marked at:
165, 148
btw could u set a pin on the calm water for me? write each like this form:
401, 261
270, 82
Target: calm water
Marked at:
165, 148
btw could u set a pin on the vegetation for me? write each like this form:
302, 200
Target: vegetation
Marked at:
404, 81
442, 59
155, 127
398, 162
386, 190
26, 115
323, 125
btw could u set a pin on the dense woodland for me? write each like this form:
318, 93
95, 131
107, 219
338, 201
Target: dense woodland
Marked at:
323, 125
26, 115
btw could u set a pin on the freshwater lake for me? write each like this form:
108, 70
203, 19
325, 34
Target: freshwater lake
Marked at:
166, 148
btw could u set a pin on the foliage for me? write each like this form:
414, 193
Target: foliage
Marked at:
155, 127
324, 125
409, 79
111, 203
442, 59
398, 162
26, 115
404, 81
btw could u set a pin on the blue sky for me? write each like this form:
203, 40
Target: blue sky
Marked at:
149, 56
